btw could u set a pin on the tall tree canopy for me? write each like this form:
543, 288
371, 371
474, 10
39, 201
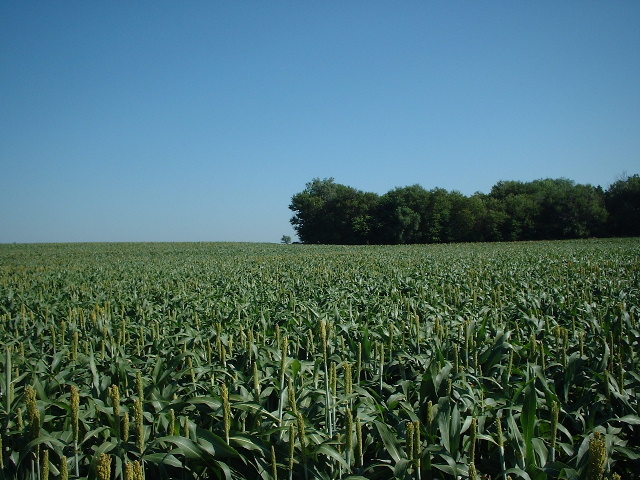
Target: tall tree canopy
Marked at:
328, 212
622, 200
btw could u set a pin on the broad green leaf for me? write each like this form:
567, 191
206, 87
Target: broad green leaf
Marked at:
390, 441
528, 420
215, 445
400, 468
519, 472
630, 453
163, 458
184, 446
245, 442
94, 373
630, 419
330, 452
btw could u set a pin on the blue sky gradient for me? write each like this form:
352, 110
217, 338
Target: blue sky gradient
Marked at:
197, 121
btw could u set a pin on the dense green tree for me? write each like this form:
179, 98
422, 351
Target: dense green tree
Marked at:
519, 210
490, 218
585, 213
550, 209
568, 210
438, 213
522, 213
311, 219
328, 212
396, 223
472, 220
464, 215
507, 188
623, 204
353, 214
401, 215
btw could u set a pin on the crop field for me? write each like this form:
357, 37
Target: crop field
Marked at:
259, 361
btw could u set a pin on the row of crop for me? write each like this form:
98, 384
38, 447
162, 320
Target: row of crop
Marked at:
476, 357
389, 379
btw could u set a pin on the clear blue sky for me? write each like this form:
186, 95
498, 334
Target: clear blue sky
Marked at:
197, 121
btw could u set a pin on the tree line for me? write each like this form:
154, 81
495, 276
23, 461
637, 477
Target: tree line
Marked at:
330, 213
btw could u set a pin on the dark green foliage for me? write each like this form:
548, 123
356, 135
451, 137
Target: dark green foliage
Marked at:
507, 359
327, 212
623, 204
331, 213
400, 215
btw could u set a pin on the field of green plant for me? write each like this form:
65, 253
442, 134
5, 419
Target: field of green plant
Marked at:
194, 361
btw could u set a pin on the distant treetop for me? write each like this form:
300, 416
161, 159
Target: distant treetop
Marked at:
331, 213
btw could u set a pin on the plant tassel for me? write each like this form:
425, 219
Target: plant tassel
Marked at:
292, 441
417, 448
597, 457
137, 411
103, 467
64, 469
473, 474
114, 393
34, 423
274, 464
226, 411
348, 442
302, 437
359, 446
45, 465
555, 411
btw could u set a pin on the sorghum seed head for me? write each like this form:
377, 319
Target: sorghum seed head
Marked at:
597, 456
64, 470
292, 439
103, 468
410, 435
301, 432
114, 393
30, 399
